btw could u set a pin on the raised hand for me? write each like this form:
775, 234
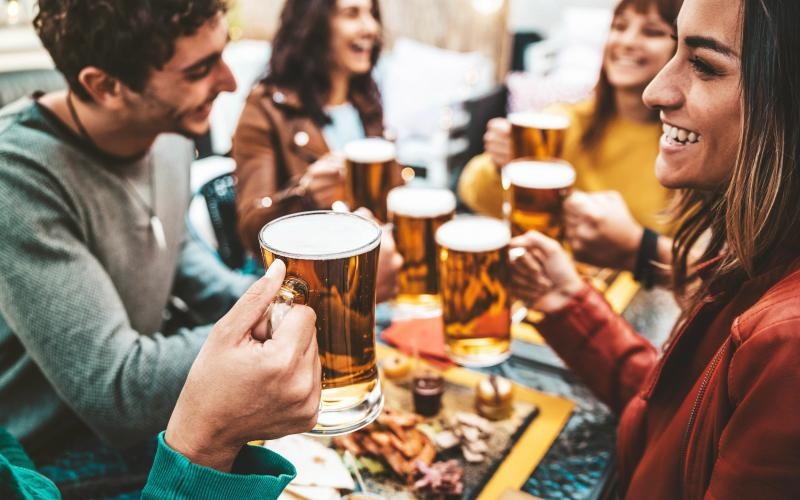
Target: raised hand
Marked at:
240, 389
497, 141
324, 180
600, 229
542, 274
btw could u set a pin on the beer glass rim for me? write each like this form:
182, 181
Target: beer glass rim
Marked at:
358, 250
447, 201
501, 240
389, 154
554, 120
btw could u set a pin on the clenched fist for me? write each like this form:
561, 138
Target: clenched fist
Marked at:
601, 230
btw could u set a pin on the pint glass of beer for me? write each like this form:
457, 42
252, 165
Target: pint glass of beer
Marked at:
535, 193
371, 173
538, 136
335, 258
417, 213
473, 282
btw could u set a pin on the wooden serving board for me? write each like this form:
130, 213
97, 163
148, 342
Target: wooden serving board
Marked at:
517, 445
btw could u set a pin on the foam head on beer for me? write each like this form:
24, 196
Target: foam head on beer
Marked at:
421, 202
539, 120
370, 150
321, 235
473, 234
539, 174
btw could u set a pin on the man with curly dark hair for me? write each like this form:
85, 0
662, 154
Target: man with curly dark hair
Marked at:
155, 66
93, 194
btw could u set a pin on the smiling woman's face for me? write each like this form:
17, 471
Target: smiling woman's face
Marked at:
354, 33
638, 46
699, 95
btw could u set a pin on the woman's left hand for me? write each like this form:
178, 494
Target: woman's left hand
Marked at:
542, 274
497, 141
600, 229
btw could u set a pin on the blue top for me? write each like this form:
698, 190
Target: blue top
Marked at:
345, 126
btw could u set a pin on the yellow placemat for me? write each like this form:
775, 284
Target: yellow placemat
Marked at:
535, 440
619, 293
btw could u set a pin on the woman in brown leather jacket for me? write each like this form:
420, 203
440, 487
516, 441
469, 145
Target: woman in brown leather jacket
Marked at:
318, 94
718, 414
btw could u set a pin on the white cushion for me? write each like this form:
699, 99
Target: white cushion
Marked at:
248, 61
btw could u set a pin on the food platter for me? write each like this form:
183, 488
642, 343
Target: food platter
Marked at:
515, 445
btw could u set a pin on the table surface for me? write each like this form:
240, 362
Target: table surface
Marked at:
576, 466
579, 463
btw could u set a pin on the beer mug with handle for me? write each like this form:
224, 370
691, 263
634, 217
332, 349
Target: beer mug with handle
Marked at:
474, 283
537, 135
331, 265
535, 192
416, 213
371, 173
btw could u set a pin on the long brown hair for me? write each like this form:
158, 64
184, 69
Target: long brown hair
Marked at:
605, 107
301, 56
756, 216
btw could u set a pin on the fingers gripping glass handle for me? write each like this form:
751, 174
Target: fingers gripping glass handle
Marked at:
293, 291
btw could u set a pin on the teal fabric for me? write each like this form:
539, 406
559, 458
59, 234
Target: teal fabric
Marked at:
18, 477
90, 468
345, 126
257, 473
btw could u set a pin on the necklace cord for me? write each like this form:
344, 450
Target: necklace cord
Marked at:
149, 208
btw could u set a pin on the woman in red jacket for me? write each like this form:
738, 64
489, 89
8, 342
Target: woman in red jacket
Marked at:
718, 414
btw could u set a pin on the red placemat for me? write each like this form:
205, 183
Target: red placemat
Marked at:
423, 337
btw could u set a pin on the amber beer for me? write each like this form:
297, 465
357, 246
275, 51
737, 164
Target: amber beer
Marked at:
417, 213
371, 173
535, 193
474, 280
336, 256
538, 136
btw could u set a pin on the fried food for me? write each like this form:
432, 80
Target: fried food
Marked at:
394, 439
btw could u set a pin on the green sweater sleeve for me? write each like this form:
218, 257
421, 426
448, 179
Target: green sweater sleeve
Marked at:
257, 473
18, 479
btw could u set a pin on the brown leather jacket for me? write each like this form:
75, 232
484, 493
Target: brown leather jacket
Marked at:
718, 415
274, 144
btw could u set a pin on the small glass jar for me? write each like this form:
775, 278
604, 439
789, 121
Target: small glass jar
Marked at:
428, 389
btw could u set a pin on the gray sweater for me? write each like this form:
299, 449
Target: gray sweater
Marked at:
84, 284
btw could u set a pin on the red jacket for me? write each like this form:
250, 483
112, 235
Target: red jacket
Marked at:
718, 415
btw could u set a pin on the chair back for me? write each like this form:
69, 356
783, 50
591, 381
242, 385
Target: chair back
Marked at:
18, 84
220, 196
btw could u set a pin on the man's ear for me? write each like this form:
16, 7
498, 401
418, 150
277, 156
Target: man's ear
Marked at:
105, 90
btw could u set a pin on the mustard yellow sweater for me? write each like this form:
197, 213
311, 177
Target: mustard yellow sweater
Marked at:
622, 161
